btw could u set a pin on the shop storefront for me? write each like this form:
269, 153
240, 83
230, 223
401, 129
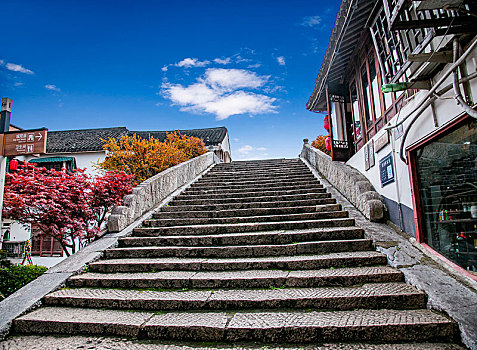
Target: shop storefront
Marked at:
444, 175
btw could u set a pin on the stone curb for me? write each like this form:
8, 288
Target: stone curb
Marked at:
348, 181
447, 292
29, 297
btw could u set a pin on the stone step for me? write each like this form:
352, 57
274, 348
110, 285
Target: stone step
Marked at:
368, 296
246, 212
240, 188
249, 205
267, 237
256, 193
254, 184
302, 262
258, 172
292, 197
244, 219
240, 228
280, 326
317, 247
213, 175
253, 179
346, 276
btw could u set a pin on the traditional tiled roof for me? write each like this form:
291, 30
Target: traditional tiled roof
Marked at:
87, 140
349, 25
81, 140
210, 136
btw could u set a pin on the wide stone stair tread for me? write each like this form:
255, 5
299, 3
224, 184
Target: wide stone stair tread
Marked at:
245, 219
298, 262
281, 197
372, 296
316, 247
198, 186
242, 227
246, 212
239, 279
258, 237
271, 187
240, 205
258, 193
295, 327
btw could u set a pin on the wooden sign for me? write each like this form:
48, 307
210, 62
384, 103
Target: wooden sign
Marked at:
382, 141
18, 143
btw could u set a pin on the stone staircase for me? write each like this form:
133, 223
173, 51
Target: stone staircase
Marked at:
253, 251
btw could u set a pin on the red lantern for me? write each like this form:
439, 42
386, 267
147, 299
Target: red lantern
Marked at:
326, 123
13, 164
328, 143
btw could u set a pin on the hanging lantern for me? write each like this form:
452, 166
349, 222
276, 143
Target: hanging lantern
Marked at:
328, 143
326, 123
13, 164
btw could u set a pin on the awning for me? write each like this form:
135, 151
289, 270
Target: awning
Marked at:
51, 160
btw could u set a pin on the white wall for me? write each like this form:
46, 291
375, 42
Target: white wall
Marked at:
446, 111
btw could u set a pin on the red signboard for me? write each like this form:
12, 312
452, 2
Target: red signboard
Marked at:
17, 143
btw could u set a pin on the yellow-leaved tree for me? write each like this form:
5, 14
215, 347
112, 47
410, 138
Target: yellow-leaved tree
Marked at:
145, 158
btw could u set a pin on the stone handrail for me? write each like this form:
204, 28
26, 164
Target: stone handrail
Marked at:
347, 180
152, 191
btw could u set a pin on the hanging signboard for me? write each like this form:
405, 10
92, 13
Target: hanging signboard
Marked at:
18, 143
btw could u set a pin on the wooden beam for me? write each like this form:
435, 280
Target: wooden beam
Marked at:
437, 4
440, 57
433, 23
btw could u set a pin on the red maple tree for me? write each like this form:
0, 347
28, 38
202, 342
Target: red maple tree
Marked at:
70, 207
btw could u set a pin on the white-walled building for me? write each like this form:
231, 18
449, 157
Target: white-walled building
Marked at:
73, 149
418, 143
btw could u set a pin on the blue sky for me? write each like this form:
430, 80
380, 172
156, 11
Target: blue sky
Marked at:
162, 65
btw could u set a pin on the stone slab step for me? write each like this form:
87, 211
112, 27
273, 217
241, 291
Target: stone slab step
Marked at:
293, 197
260, 184
240, 188
255, 193
245, 219
240, 228
302, 262
246, 212
234, 175
267, 237
239, 279
368, 296
319, 247
117, 343
291, 327
254, 179
249, 205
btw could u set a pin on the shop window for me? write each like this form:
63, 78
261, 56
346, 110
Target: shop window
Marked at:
446, 174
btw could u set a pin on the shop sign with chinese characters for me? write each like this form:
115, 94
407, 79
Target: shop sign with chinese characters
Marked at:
18, 143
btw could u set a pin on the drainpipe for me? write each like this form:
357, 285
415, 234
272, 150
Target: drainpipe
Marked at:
455, 84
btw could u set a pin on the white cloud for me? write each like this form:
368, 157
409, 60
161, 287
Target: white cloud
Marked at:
52, 87
235, 139
2, 62
191, 62
222, 60
256, 65
18, 84
165, 68
311, 21
261, 149
245, 149
232, 79
222, 92
18, 68
281, 60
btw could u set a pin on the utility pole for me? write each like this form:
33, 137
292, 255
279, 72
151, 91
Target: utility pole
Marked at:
6, 111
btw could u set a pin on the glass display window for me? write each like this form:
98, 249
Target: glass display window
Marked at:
446, 180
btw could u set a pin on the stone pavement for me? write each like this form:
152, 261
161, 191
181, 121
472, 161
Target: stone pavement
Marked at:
254, 251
